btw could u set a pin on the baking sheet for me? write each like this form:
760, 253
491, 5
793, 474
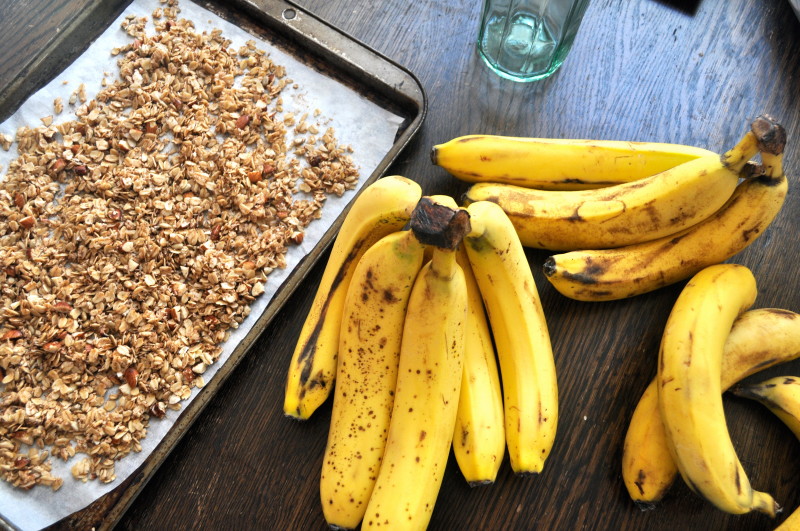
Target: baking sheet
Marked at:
370, 129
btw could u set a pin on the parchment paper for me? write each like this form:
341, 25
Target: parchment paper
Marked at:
369, 129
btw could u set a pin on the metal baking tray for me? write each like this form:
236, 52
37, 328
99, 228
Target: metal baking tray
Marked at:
307, 38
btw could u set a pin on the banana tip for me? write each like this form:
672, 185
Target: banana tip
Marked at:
434, 156
294, 415
745, 391
480, 483
549, 266
645, 506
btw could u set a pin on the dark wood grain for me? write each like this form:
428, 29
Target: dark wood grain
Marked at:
639, 70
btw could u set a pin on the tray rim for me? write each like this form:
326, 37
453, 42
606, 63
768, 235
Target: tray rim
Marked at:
40, 71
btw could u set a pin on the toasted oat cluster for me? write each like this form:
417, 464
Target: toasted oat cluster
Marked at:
135, 237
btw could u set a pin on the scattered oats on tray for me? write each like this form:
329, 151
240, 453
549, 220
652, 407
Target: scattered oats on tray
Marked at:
134, 237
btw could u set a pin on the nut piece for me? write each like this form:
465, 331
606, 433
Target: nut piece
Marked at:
131, 376
11, 334
242, 121
62, 307
27, 222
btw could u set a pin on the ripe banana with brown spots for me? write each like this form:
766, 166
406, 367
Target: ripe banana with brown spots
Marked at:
522, 339
758, 339
689, 388
557, 164
479, 439
380, 209
369, 351
629, 213
426, 397
610, 274
781, 395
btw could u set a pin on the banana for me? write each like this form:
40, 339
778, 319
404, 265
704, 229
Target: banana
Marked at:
781, 395
759, 339
479, 439
556, 164
527, 368
380, 209
610, 274
426, 399
629, 213
369, 349
690, 393
792, 522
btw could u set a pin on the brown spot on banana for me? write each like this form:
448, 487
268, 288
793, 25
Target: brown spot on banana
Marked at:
306, 358
320, 381
688, 361
780, 311
738, 479
574, 217
390, 297
464, 436
588, 275
641, 479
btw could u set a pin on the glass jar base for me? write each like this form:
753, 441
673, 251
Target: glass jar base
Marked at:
517, 76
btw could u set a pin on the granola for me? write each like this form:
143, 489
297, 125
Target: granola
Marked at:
136, 236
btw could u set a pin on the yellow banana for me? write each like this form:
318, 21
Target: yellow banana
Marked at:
792, 522
556, 164
479, 439
380, 209
759, 339
369, 350
781, 395
629, 213
690, 393
610, 274
527, 368
426, 399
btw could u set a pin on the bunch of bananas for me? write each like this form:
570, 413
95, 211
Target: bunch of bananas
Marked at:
428, 321
626, 218
399, 323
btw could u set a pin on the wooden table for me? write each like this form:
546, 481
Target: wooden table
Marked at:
639, 70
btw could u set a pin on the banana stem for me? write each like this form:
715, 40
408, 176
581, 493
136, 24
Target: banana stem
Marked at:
765, 135
773, 165
443, 262
736, 157
440, 225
